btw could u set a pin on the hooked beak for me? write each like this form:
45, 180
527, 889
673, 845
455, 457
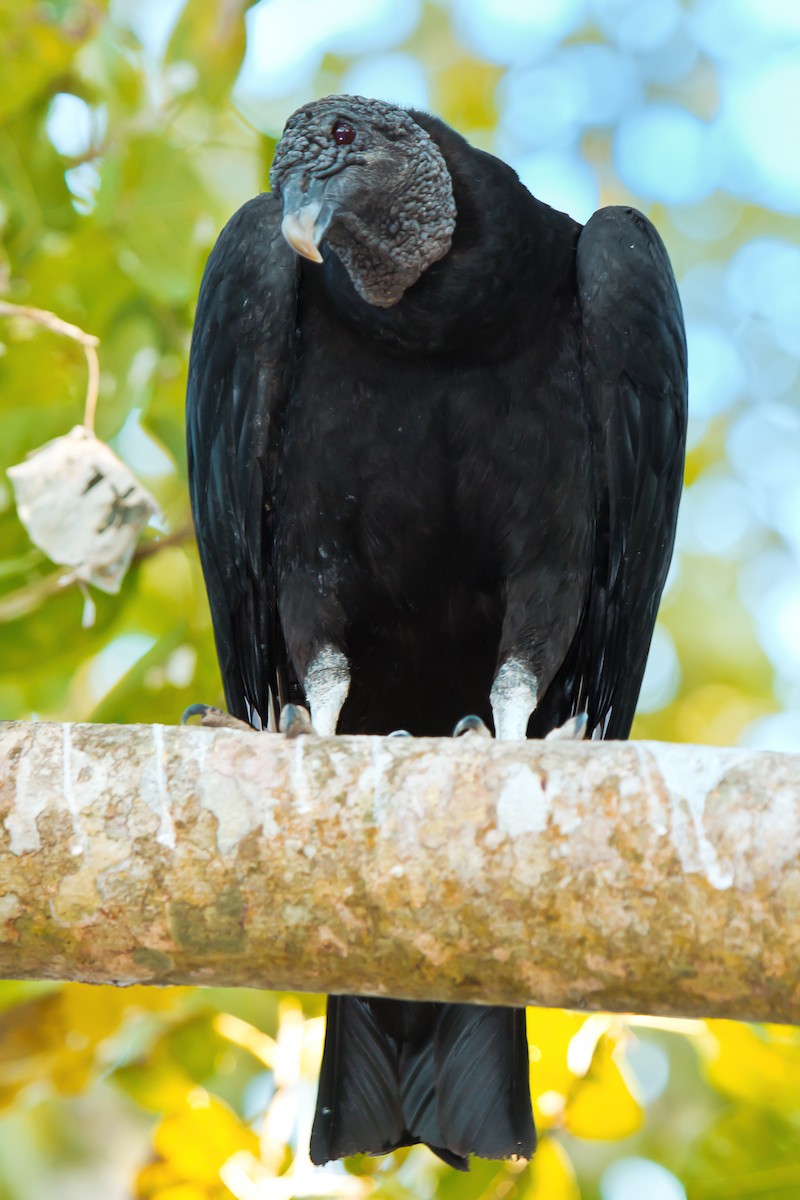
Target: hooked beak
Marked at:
306, 216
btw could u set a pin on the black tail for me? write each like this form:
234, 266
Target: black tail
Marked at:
451, 1076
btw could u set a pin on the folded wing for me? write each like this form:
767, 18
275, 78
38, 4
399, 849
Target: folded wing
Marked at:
239, 372
634, 377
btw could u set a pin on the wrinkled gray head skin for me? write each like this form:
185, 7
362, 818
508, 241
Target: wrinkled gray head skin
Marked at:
383, 203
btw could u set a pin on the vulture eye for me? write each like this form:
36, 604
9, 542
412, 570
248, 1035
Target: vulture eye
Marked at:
343, 133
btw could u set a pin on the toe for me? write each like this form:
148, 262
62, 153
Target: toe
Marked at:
194, 710
471, 725
573, 730
295, 721
214, 718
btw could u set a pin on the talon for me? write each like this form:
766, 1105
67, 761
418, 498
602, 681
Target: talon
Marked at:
471, 725
214, 718
399, 733
572, 730
295, 721
194, 710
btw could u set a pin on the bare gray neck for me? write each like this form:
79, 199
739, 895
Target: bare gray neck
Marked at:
387, 246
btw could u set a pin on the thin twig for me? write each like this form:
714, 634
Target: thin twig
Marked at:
41, 316
25, 599
92, 387
154, 546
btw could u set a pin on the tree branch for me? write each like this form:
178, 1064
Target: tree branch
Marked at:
623, 876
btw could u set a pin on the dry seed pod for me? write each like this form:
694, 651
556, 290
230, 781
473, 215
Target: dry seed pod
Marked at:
82, 506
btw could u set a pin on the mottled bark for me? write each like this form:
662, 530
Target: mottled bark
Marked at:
623, 876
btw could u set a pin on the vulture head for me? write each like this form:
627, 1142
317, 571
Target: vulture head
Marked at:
365, 178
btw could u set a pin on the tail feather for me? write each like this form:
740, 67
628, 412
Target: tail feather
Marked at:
358, 1103
483, 1082
417, 1076
454, 1077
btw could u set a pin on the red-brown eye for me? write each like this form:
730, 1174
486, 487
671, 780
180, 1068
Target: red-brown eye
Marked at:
343, 134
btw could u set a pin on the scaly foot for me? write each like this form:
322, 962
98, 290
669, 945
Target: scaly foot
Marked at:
295, 721
572, 730
215, 718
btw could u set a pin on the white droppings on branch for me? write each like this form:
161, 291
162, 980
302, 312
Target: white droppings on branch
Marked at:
166, 829
299, 780
78, 844
690, 784
523, 805
29, 802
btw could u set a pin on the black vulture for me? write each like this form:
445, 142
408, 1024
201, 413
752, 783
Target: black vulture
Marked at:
436, 437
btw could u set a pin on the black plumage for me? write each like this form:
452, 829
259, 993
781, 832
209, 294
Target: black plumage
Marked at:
434, 472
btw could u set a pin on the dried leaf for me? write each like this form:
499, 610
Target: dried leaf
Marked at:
82, 506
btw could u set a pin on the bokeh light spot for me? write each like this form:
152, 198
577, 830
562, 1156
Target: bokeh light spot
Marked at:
635, 26
662, 675
717, 373
761, 104
763, 279
70, 125
509, 30
399, 78
561, 180
664, 152
637, 1178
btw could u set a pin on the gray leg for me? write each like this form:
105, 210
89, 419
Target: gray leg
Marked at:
326, 685
513, 698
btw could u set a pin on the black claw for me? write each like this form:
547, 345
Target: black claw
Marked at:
194, 710
471, 725
295, 720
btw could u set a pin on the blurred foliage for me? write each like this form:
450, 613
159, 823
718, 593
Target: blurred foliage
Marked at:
186, 1094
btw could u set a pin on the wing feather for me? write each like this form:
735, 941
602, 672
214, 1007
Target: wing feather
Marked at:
239, 376
634, 376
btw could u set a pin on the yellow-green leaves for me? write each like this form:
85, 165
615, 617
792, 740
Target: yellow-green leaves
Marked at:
193, 1144
551, 1175
579, 1078
37, 44
59, 1040
603, 1103
759, 1064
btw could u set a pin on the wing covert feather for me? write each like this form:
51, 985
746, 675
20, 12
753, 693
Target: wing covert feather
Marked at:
239, 376
634, 377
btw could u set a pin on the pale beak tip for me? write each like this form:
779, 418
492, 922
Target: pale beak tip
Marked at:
298, 229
